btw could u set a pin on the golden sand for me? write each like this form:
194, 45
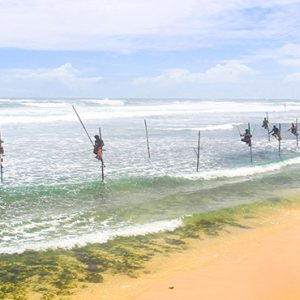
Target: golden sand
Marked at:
262, 263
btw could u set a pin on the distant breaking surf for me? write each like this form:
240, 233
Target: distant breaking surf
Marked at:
227, 126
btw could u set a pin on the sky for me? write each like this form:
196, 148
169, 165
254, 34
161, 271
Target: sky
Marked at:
204, 49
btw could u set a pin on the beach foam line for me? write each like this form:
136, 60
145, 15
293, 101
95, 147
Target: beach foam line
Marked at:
240, 172
101, 236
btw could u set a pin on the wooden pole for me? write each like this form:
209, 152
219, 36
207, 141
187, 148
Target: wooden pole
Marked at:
297, 134
1, 158
251, 157
83, 125
198, 151
100, 135
279, 140
267, 116
102, 163
147, 137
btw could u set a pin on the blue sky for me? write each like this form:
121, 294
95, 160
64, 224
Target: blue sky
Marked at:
155, 48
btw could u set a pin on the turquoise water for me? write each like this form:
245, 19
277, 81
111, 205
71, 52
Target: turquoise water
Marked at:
52, 194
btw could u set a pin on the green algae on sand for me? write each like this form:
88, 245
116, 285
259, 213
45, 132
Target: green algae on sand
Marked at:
58, 272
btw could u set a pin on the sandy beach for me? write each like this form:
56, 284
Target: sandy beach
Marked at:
262, 263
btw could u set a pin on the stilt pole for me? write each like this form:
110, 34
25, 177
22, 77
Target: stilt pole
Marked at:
102, 162
279, 140
198, 151
147, 137
297, 134
251, 157
267, 116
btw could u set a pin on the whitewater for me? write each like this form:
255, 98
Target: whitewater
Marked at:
52, 195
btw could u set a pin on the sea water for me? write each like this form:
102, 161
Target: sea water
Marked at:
52, 195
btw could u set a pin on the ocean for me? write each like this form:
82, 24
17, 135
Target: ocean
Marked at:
52, 195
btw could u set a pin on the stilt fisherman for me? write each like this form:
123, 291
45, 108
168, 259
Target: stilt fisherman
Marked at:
276, 133
293, 129
246, 137
98, 148
265, 123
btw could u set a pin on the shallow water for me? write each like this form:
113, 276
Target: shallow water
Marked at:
52, 194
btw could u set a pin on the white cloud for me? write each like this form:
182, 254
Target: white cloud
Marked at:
290, 62
65, 80
293, 77
290, 49
288, 54
230, 72
66, 74
142, 24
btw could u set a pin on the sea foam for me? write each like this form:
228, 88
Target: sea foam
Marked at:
240, 172
100, 236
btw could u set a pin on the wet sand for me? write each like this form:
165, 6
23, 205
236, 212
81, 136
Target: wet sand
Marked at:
262, 263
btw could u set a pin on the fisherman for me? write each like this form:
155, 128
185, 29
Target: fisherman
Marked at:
293, 129
276, 133
246, 137
265, 123
98, 148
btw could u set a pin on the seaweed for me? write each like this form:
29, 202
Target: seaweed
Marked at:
58, 272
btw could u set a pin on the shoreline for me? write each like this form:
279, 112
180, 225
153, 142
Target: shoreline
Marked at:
261, 263
124, 267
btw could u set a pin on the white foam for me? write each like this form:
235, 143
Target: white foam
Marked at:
236, 106
227, 126
3, 100
241, 172
12, 119
46, 104
109, 102
101, 236
35, 111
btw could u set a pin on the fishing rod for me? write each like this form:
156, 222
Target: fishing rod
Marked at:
102, 164
238, 128
253, 130
82, 125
